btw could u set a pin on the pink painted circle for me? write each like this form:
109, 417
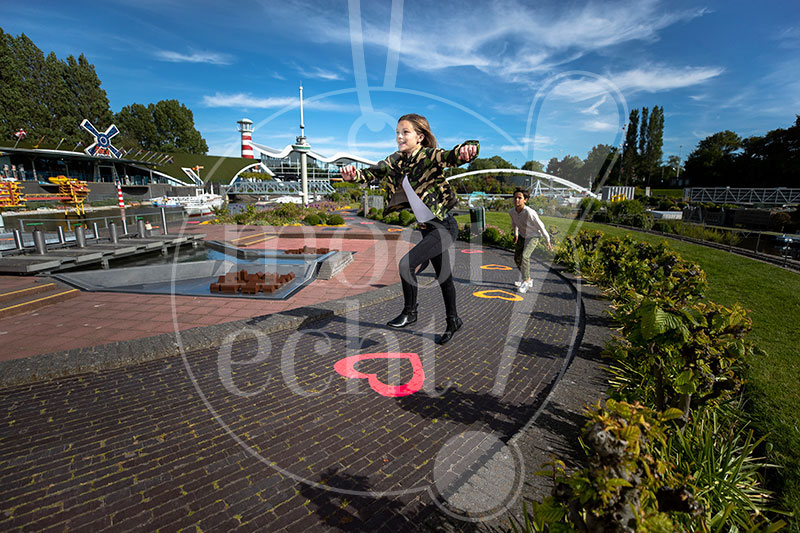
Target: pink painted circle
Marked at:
468, 251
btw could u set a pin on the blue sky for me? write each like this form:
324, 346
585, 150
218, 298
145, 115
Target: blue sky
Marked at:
530, 80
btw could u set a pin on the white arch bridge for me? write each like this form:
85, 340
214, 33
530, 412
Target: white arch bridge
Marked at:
267, 187
537, 189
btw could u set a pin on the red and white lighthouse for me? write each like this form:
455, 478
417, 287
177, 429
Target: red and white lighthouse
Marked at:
246, 129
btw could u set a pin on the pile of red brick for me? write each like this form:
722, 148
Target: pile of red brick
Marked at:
308, 250
233, 282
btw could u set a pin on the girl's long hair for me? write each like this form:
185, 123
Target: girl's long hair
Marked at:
422, 127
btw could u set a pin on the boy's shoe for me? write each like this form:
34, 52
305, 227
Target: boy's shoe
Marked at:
518, 283
525, 286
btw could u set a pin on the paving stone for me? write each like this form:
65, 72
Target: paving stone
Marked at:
283, 443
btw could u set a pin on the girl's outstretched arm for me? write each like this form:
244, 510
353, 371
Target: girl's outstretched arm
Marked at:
462, 153
379, 171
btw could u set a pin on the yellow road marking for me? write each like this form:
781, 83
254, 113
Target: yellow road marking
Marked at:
262, 240
248, 237
38, 300
28, 289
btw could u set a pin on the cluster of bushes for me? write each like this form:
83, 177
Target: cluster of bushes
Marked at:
678, 227
346, 191
671, 449
665, 203
785, 221
395, 218
495, 236
282, 215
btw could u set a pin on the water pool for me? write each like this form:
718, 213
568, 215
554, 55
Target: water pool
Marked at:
190, 272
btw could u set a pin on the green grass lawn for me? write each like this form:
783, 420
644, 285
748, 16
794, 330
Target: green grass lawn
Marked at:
772, 295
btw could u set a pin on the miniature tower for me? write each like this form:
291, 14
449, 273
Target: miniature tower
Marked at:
303, 147
246, 128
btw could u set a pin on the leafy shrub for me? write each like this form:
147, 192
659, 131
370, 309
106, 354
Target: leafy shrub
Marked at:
719, 453
687, 354
491, 235
626, 486
781, 222
312, 220
630, 213
323, 217
588, 207
464, 233
406, 218
500, 204
392, 218
684, 356
695, 231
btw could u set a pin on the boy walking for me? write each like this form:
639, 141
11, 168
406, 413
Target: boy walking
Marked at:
527, 228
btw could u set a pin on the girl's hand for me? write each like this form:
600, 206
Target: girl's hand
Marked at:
467, 152
348, 173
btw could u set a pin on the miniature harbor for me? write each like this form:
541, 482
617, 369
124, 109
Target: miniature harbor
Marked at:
43, 258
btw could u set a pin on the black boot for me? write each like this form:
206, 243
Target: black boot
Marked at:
453, 325
404, 319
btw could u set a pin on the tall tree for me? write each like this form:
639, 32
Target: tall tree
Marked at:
88, 98
772, 160
711, 163
136, 126
175, 125
495, 161
166, 126
45, 96
597, 163
641, 164
569, 168
535, 166
629, 148
651, 157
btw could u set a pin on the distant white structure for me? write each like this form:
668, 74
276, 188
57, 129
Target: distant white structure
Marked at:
617, 193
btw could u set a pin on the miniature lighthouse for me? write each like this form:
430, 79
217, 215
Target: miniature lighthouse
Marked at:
246, 129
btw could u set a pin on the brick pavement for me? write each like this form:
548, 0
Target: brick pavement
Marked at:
282, 441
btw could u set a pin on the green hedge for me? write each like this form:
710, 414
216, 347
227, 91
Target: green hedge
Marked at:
671, 449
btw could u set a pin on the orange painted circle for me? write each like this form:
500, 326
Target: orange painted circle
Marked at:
496, 267
395, 229
503, 295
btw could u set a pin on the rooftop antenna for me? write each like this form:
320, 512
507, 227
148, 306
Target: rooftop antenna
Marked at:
302, 126
302, 147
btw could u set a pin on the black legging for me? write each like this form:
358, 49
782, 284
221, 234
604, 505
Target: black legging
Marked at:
436, 246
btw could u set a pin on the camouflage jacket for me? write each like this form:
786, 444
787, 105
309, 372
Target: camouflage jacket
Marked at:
425, 170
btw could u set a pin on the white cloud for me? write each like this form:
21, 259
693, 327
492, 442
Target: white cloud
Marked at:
648, 79
211, 58
242, 100
592, 110
509, 38
320, 74
599, 125
539, 142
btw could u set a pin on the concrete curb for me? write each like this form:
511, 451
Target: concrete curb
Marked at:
20, 372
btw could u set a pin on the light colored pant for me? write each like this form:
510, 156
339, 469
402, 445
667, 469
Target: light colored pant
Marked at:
522, 254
